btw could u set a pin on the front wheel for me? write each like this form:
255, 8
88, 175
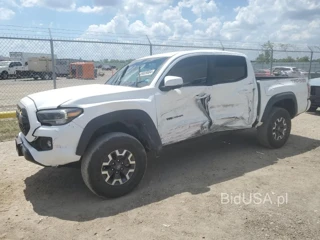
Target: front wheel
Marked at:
4, 75
113, 165
275, 131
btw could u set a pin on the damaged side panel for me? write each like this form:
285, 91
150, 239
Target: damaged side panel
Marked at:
195, 111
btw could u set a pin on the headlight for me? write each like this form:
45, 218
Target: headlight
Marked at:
58, 116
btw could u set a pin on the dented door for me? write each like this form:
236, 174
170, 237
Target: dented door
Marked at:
233, 93
180, 112
219, 94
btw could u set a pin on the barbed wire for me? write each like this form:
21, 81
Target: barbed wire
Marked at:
34, 32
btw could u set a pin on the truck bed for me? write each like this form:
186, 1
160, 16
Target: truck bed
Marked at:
269, 87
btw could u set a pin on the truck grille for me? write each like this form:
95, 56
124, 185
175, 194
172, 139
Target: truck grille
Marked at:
315, 90
23, 119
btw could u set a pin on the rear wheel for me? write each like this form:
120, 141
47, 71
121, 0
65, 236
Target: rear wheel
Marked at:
275, 131
113, 165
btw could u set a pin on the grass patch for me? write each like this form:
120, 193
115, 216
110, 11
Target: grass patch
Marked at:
8, 129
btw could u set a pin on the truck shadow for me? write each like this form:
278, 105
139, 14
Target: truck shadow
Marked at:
192, 166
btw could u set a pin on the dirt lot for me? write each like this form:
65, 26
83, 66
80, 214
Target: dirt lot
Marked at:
12, 90
180, 196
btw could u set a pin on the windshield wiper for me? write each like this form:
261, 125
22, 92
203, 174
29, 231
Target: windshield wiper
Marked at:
120, 78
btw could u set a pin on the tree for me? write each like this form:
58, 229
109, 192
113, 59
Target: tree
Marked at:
303, 59
266, 56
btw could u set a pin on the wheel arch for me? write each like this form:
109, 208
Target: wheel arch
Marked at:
286, 100
136, 123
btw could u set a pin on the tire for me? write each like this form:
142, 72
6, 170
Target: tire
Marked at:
45, 76
96, 163
4, 75
272, 134
312, 109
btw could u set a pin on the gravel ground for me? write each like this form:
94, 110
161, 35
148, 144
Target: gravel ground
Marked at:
183, 195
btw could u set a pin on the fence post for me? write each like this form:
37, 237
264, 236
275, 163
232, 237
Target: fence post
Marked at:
271, 60
53, 62
221, 45
310, 66
150, 44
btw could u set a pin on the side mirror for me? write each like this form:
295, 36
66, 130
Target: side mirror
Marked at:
172, 82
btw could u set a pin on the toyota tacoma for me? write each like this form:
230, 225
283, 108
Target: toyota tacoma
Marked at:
150, 103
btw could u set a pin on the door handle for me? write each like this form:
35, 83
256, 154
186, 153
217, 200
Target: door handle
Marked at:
245, 90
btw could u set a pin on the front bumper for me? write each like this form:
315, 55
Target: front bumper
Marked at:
22, 150
64, 143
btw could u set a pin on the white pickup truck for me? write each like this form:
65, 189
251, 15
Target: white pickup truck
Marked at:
152, 102
9, 68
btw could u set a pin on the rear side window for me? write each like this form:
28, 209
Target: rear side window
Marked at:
193, 70
18, 64
226, 69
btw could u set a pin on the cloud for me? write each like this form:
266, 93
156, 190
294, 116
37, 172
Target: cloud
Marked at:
88, 9
107, 2
59, 5
198, 7
276, 20
6, 14
119, 24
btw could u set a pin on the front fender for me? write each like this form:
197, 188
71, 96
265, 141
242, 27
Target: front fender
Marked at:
137, 121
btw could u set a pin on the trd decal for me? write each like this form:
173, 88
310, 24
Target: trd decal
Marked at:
170, 118
203, 103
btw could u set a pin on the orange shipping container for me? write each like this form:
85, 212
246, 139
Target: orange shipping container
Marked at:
83, 70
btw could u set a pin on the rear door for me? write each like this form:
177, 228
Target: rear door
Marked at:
233, 92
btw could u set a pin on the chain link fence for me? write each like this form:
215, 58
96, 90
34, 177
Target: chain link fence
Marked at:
27, 62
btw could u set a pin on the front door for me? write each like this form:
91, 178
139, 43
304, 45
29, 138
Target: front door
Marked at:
180, 112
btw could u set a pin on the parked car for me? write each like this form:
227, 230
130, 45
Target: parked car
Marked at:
9, 69
106, 67
303, 73
314, 94
150, 103
286, 71
263, 73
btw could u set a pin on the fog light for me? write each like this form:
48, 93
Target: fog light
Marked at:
45, 143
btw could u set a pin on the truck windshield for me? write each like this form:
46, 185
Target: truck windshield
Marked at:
138, 73
4, 63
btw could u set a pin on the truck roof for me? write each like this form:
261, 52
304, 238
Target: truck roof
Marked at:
181, 53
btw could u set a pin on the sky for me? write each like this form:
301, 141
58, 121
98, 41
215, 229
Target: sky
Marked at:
230, 20
246, 24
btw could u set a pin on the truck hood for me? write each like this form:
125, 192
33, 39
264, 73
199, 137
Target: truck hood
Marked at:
3, 67
315, 82
86, 94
